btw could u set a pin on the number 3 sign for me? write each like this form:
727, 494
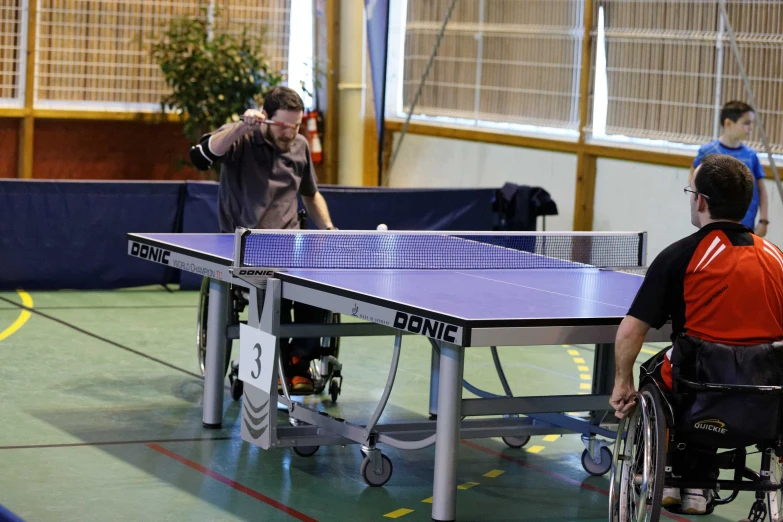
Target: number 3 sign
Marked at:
256, 357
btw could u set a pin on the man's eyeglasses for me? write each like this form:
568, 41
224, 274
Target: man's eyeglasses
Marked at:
293, 126
689, 190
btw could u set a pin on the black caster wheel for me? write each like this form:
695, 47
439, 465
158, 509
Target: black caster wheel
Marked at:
334, 391
237, 387
602, 467
306, 451
516, 442
369, 475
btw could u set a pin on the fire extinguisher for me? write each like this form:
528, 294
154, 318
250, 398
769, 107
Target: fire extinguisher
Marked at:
316, 150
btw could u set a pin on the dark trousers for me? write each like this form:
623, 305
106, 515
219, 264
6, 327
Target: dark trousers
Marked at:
695, 461
305, 348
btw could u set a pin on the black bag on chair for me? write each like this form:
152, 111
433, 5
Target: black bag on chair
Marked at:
727, 419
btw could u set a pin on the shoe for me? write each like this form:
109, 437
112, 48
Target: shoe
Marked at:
298, 376
694, 501
301, 384
671, 497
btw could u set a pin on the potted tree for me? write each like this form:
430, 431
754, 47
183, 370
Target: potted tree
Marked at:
213, 78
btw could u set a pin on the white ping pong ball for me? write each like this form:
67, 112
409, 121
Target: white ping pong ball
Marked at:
382, 227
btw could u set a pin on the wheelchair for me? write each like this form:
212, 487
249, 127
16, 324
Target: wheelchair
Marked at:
325, 369
707, 411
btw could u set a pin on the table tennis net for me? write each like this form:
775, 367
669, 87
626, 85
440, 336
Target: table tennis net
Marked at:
440, 251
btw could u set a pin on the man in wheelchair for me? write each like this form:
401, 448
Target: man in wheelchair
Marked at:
722, 289
264, 164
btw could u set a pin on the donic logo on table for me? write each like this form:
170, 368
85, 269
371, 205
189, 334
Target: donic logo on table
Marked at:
427, 327
158, 255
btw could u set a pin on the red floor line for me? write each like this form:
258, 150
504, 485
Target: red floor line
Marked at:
111, 443
557, 476
236, 485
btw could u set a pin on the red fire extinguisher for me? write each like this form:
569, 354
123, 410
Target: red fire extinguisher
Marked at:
316, 150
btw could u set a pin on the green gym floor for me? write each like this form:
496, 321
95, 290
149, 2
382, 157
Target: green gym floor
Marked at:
100, 401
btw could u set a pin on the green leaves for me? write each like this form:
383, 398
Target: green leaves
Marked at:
211, 81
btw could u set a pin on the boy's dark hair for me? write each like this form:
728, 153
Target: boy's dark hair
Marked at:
281, 97
728, 183
734, 110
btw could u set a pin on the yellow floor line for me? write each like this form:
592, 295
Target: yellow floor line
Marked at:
398, 513
585, 376
24, 315
573, 352
494, 473
467, 485
585, 386
648, 351
583, 368
427, 500
579, 360
551, 438
535, 449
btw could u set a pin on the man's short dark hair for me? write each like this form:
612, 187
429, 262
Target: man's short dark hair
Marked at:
281, 97
734, 110
728, 183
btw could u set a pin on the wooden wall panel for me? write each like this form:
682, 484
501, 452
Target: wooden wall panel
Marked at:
9, 147
99, 150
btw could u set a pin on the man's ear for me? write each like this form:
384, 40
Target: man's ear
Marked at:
702, 204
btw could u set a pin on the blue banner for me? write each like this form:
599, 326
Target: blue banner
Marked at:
377, 42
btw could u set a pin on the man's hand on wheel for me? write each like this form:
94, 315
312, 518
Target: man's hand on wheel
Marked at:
623, 398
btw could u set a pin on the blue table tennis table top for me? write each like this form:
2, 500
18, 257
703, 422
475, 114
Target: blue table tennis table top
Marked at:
537, 297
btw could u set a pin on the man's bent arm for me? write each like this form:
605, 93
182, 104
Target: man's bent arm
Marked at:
221, 141
628, 344
317, 210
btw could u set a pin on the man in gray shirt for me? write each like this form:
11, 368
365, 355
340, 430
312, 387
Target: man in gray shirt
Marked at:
265, 162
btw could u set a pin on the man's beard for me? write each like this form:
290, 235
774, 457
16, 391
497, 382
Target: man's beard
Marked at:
283, 145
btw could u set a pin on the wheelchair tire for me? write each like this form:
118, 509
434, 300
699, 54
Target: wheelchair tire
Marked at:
201, 328
334, 342
334, 391
639, 459
237, 389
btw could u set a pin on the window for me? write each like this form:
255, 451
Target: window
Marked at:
669, 67
660, 70
90, 53
13, 23
501, 63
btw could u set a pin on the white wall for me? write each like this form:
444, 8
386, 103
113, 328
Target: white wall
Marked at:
629, 196
637, 196
426, 161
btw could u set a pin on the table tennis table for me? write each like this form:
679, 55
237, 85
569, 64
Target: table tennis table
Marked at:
459, 289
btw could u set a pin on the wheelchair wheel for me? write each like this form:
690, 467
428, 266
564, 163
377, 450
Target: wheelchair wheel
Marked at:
201, 327
775, 498
639, 461
334, 342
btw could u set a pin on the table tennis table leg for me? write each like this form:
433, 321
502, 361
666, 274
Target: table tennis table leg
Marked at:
444, 490
603, 369
214, 371
434, 379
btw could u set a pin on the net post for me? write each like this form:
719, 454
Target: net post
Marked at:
239, 245
642, 249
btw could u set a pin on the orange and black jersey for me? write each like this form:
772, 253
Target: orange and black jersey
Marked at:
721, 284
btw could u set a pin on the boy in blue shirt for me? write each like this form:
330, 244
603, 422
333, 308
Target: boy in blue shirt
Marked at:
737, 119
